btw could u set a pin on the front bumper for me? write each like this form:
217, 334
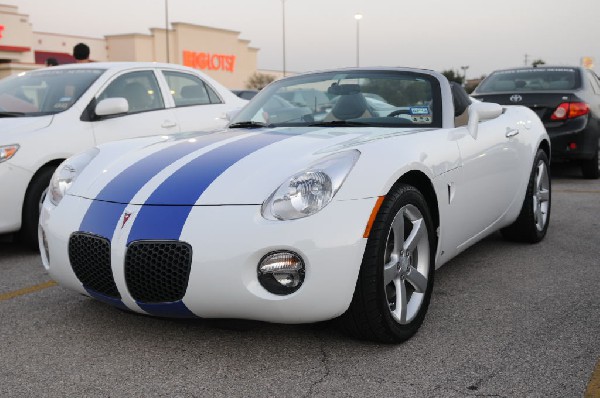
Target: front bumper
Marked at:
14, 185
228, 242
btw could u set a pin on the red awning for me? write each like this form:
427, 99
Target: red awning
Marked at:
15, 49
62, 58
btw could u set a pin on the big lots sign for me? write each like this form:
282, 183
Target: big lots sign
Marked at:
209, 61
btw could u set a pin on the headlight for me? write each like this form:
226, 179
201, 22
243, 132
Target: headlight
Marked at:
307, 192
7, 152
67, 172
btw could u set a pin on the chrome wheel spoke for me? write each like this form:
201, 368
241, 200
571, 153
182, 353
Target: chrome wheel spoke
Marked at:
418, 231
401, 305
417, 279
544, 195
398, 229
390, 271
541, 171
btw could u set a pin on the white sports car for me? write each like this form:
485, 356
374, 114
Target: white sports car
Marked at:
284, 218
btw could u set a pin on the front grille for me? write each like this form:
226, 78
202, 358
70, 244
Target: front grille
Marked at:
90, 258
158, 271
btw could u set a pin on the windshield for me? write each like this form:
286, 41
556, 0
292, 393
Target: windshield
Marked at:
348, 99
531, 79
44, 92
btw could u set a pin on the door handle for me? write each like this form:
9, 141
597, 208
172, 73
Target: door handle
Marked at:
511, 132
168, 124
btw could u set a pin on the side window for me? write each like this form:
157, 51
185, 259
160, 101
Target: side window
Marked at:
189, 90
140, 89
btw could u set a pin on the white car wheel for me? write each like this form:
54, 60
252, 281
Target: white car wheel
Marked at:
396, 277
532, 224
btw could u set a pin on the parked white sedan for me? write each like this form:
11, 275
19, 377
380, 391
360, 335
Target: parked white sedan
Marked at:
50, 114
289, 216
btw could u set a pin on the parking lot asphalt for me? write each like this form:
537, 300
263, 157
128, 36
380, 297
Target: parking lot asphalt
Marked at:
505, 320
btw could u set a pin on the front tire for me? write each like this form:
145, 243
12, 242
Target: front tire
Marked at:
532, 224
34, 197
396, 276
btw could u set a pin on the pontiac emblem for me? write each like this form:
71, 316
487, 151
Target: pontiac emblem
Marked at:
125, 218
516, 98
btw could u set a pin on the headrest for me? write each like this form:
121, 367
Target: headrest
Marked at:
350, 106
192, 91
343, 89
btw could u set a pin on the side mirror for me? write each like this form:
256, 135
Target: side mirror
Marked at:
480, 111
112, 106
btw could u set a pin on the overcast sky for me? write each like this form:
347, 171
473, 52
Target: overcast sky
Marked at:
434, 34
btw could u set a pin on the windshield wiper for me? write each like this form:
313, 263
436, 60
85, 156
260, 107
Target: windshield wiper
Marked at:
11, 114
249, 124
341, 123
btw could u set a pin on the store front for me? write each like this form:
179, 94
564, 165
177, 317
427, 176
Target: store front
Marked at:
219, 53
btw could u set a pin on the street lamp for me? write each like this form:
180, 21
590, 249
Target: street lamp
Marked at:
464, 68
167, 26
358, 17
283, 32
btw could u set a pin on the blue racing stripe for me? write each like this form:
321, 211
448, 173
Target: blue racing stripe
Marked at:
102, 217
184, 187
115, 302
170, 310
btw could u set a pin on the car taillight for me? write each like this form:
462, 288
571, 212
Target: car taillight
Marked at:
570, 110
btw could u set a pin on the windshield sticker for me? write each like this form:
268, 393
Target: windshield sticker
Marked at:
421, 119
61, 105
419, 110
65, 99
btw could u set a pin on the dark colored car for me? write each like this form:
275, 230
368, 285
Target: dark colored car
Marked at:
566, 99
245, 94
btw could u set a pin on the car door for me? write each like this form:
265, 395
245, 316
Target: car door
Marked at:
147, 114
197, 105
492, 170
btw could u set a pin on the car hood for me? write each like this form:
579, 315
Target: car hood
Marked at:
12, 127
228, 167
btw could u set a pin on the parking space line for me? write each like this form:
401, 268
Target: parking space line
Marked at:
26, 290
593, 387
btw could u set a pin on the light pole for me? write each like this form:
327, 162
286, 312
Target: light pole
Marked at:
464, 68
358, 17
283, 32
167, 26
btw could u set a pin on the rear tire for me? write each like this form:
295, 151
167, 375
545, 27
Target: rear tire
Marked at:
396, 275
591, 167
31, 206
532, 224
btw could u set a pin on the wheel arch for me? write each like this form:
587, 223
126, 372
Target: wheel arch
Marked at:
52, 163
545, 146
421, 182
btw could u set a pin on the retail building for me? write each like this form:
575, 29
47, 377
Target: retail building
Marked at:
220, 53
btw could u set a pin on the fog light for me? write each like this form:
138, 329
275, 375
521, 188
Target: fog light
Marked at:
281, 272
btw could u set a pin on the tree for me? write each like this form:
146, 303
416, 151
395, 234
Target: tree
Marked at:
257, 81
453, 76
538, 62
